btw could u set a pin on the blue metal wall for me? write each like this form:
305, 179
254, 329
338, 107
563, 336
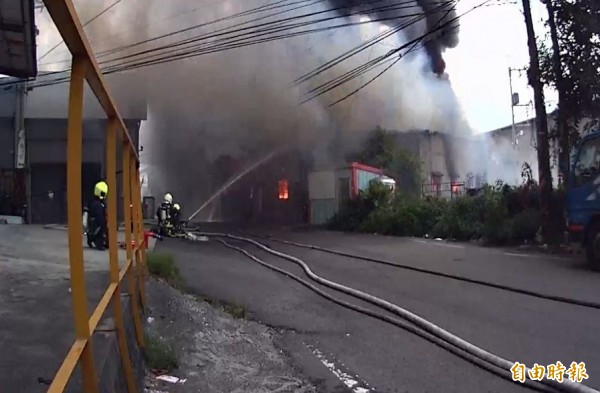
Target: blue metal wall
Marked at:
363, 179
321, 210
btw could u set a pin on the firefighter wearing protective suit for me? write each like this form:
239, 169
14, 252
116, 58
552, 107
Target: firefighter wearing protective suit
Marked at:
96, 233
176, 217
163, 214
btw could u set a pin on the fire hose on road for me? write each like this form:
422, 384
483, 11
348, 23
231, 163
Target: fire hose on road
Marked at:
560, 299
429, 331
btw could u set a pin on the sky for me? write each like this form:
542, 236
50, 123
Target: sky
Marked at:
492, 39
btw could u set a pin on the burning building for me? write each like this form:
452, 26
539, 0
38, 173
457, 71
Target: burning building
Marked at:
276, 192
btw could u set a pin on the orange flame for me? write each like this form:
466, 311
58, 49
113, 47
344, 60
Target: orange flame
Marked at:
284, 194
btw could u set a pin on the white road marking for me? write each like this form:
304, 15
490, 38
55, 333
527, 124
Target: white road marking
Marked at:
514, 254
440, 244
519, 255
345, 378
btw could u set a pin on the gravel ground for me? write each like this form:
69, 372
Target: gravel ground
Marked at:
217, 352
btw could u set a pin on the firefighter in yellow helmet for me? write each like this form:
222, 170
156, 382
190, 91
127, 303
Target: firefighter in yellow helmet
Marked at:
96, 234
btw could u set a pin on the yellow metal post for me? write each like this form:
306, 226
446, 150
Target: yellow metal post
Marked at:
140, 212
84, 65
113, 249
74, 213
128, 224
137, 228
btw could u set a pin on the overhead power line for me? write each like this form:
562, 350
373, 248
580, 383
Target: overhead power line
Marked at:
184, 43
240, 44
264, 28
391, 53
246, 40
263, 8
215, 48
105, 10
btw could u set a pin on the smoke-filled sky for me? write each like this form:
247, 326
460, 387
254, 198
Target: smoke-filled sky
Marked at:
491, 40
242, 102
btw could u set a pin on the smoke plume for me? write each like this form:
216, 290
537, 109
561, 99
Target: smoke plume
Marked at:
441, 22
242, 102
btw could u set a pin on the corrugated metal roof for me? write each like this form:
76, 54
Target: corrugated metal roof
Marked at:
17, 38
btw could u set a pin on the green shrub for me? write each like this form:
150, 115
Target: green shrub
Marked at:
500, 214
460, 220
356, 210
159, 354
524, 225
237, 311
163, 265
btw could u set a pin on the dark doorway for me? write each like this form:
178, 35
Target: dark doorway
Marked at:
49, 190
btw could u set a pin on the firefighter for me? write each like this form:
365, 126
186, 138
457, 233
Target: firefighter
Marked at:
163, 214
96, 233
176, 217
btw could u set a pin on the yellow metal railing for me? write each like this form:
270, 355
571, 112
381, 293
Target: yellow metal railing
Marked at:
85, 67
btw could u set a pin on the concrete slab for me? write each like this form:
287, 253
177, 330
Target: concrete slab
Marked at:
36, 317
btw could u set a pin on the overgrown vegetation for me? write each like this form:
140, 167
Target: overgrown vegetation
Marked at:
498, 214
237, 311
162, 265
234, 309
159, 354
382, 150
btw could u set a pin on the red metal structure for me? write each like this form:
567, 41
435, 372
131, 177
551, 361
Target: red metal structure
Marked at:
356, 180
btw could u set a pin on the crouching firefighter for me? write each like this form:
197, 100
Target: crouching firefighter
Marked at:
96, 227
176, 219
163, 214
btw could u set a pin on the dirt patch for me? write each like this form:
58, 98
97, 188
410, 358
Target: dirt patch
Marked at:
216, 352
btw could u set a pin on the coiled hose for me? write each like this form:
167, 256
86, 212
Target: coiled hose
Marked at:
431, 328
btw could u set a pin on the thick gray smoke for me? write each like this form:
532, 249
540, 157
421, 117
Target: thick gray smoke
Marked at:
440, 16
242, 102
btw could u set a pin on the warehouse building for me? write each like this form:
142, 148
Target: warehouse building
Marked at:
33, 142
330, 189
274, 193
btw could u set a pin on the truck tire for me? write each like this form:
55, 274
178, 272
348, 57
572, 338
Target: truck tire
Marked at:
592, 246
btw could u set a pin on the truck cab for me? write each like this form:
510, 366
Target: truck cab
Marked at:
583, 197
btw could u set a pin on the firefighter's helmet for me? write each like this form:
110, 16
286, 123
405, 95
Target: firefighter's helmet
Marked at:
168, 197
101, 189
176, 207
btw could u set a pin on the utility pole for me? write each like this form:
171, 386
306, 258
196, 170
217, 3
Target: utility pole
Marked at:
514, 100
543, 153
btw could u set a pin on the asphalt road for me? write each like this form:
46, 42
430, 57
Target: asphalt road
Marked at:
338, 348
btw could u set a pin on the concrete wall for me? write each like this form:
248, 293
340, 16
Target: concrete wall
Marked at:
7, 99
107, 359
321, 185
433, 156
47, 140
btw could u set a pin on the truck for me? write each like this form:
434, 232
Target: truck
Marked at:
583, 197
